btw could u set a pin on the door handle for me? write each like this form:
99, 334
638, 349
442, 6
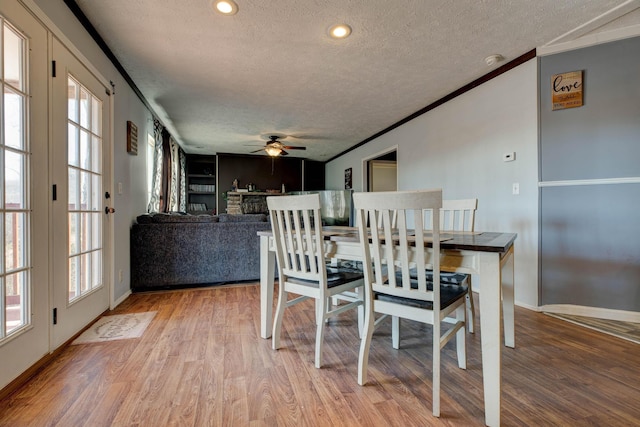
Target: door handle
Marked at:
109, 210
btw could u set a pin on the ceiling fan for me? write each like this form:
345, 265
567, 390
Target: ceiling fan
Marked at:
275, 148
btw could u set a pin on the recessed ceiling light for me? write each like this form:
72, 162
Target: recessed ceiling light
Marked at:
340, 31
225, 7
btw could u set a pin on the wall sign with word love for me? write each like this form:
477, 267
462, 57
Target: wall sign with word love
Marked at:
566, 90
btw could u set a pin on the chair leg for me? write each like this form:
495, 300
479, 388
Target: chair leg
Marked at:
365, 343
360, 321
277, 324
330, 303
461, 339
321, 310
436, 367
471, 310
395, 332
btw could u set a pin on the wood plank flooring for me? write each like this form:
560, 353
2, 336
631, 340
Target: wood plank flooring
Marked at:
201, 362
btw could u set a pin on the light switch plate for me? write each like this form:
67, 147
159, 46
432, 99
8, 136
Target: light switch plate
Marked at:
509, 157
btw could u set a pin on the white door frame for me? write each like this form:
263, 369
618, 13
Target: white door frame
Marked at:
59, 34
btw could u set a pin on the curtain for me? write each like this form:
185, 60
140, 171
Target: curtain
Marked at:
183, 181
177, 187
169, 190
156, 180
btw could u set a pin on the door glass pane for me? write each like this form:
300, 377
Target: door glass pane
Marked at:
15, 238
15, 213
85, 188
96, 158
74, 246
85, 232
15, 303
96, 119
74, 278
96, 192
96, 264
73, 141
72, 101
85, 273
85, 152
14, 176
13, 58
85, 207
85, 108
74, 185
14, 119
96, 228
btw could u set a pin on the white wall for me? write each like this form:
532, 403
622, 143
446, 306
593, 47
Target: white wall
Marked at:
127, 169
459, 147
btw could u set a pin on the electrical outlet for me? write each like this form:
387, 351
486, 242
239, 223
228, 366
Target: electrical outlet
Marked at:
120, 276
119, 188
516, 188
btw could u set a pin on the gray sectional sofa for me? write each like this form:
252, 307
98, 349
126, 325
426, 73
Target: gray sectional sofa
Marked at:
180, 250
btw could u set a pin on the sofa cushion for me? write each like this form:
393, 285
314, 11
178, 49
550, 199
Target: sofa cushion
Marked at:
161, 218
144, 219
242, 218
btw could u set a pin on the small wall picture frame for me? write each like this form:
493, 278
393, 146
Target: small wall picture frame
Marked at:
348, 179
132, 138
566, 90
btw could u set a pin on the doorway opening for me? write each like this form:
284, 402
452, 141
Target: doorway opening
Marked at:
381, 172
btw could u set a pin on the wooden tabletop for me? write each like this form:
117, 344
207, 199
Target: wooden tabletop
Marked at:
487, 241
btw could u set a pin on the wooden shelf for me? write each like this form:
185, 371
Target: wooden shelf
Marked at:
201, 176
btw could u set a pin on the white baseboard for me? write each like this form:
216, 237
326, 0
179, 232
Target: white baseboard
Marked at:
119, 301
599, 313
516, 303
527, 306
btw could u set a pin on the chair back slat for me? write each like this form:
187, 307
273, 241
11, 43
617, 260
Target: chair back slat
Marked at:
456, 215
394, 242
297, 233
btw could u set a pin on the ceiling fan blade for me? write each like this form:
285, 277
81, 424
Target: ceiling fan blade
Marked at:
284, 153
257, 151
293, 147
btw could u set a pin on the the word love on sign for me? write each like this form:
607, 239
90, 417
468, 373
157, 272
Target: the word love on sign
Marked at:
566, 90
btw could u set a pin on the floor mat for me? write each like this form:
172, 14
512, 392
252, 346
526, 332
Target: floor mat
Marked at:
118, 327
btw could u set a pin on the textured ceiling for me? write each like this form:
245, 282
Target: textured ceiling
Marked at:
223, 84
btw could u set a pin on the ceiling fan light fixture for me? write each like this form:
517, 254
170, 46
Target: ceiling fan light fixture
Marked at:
340, 31
225, 7
273, 151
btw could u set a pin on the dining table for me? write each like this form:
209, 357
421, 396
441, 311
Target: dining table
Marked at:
487, 256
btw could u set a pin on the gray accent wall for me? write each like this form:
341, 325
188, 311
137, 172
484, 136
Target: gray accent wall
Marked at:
590, 181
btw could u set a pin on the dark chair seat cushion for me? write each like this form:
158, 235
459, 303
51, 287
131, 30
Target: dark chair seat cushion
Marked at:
335, 277
448, 295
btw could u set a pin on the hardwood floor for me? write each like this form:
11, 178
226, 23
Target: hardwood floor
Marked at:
201, 362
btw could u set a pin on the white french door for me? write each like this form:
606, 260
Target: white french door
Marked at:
24, 225
81, 175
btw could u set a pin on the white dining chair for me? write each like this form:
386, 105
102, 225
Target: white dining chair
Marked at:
456, 215
302, 269
389, 254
